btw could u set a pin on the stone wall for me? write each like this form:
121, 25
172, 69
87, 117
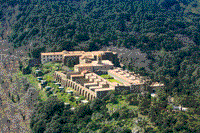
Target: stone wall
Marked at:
101, 94
119, 89
89, 94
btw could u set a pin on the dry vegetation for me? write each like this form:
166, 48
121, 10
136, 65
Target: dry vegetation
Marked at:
15, 97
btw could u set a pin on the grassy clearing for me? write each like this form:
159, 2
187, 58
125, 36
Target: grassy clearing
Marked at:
106, 76
113, 80
109, 78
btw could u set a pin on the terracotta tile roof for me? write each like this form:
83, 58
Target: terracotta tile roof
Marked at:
94, 63
129, 80
85, 71
78, 53
83, 57
77, 75
52, 53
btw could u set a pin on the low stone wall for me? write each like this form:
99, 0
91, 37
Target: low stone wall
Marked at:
101, 94
119, 89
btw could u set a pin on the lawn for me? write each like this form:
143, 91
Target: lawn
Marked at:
106, 76
109, 78
113, 80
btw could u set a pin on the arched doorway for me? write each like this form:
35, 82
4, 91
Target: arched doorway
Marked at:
80, 91
83, 92
88, 96
91, 98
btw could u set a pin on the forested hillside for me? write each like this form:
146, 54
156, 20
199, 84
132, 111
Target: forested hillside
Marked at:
57, 25
165, 31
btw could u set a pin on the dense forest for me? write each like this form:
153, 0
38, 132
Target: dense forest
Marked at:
167, 31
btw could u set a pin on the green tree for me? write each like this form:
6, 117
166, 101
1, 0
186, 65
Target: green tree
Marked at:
132, 99
144, 103
162, 98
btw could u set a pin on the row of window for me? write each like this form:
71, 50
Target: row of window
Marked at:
51, 56
51, 59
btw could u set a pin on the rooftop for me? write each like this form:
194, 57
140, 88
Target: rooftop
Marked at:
129, 77
53, 53
78, 53
95, 63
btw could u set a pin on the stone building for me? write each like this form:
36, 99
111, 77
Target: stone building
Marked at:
85, 80
71, 58
136, 82
88, 84
94, 66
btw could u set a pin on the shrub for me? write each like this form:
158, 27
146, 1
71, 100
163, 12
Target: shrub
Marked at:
115, 115
132, 113
132, 99
97, 105
124, 113
104, 129
125, 92
97, 116
113, 99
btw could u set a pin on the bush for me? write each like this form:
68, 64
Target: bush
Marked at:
125, 92
132, 99
113, 99
26, 70
108, 95
115, 115
124, 113
97, 105
97, 117
83, 110
104, 129
132, 113
45, 71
